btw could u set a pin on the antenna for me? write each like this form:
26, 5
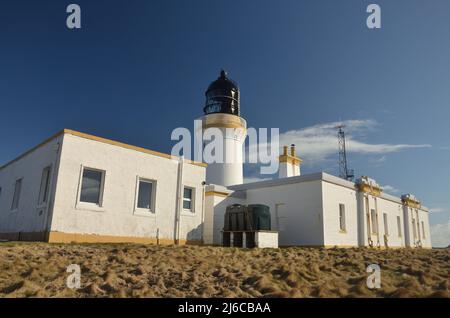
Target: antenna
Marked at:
344, 172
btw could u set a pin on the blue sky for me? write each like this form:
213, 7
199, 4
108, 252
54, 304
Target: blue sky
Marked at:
138, 69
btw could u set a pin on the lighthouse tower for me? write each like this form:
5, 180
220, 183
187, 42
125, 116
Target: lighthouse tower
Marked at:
222, 111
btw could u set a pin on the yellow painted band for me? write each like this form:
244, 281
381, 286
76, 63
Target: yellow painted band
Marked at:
412, 203
216, 193
62, 237
369, 189
289, 159
222, 125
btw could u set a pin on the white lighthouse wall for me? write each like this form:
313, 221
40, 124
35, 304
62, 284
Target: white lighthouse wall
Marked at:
28, 222
117, 216
225, 133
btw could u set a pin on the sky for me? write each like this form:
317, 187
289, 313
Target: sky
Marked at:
138, 69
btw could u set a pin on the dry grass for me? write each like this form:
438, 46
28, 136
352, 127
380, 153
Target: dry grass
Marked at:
113, 270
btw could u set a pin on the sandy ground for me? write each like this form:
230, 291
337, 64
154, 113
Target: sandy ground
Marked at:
125, 270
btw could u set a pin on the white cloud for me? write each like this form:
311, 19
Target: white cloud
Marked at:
319, 142
390, 189
440, 234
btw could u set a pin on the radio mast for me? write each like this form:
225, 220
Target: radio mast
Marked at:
344, 172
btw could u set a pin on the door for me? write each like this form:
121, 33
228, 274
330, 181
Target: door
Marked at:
281, 222
43, 201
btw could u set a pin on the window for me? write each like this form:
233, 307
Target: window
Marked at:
92, 186
145, 195
188, 201
342, 217
414, 228
373, 216
399, 226
16, 197
386, 227
423, 230
45, 184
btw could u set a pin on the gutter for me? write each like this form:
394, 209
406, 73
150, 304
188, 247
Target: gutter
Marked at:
179, 200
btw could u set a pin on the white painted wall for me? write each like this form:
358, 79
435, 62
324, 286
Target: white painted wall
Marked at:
416, 236
212, 203
305, 211
296, 211
392, 209
424, 215
333, 195
30, 216
118, 216
286, 170
215, 207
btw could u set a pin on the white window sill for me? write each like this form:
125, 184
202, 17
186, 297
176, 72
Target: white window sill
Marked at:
144, 213
89, 207
188, 213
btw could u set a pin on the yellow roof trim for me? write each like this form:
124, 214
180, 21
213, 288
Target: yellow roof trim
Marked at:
103, 140
46, 141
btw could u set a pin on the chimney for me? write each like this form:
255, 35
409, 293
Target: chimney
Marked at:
289, 163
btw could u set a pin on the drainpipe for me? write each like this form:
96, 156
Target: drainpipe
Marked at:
378, 223
203, 210
419, 240
368, 218
52, 193
179, 200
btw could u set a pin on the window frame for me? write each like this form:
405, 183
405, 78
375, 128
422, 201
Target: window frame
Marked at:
386, 224
374, 221
15, 208
399, 226
192, 200
90, 205
143, 211
43, 201
342, 218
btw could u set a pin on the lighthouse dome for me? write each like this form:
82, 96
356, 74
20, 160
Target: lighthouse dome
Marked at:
222, 96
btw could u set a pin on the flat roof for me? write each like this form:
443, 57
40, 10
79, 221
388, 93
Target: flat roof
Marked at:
102, 140
318, 176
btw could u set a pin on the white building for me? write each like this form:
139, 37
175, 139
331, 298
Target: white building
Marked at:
324, 211
310, 210
78, 187
83, 188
